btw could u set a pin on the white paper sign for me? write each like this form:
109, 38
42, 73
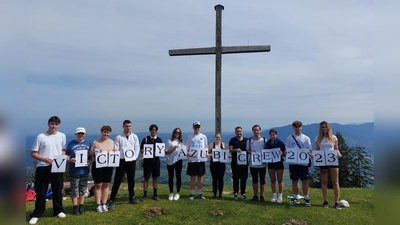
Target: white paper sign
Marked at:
101, 159
59, 164
203, 155
241, 158
291, 156
303, 157
266, 156
319, 158
130, 154
331, 158
256, 159
276, 154
81, 157
216, 155
224, 156
113, 159
160, 149
181, 151
148, 151
194, 154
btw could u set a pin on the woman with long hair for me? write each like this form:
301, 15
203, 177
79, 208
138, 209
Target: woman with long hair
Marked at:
217, 169
173, 164
325, 140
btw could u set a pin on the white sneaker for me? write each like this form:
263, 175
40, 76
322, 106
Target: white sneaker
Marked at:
177, 196
104, 207
33, 220
99, 209
279, 200
171, 197
273, 199
61, 215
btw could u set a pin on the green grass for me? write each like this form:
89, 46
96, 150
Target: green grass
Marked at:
185, 211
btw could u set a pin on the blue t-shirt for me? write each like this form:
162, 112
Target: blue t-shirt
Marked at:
70, 151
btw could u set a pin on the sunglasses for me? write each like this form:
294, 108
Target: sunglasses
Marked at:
177, 132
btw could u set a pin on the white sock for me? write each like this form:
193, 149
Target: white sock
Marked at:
200, 191
192, 192
280, 195
273, 195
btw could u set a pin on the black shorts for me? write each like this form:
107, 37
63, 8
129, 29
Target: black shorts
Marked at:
276, 166
327, 167
196, 169
258, 172
151, 167
102, 175
298, 172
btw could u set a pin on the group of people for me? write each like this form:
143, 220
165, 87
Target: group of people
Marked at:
52, 143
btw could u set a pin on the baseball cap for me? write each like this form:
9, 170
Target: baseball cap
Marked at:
196, 123
80, 130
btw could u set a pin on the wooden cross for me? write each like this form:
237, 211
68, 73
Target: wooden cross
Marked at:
218, 50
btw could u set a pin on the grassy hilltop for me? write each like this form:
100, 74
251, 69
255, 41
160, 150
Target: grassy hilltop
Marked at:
225, 211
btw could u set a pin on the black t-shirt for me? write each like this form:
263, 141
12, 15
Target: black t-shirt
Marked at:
149, 140
235, 143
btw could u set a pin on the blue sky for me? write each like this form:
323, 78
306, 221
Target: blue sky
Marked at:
100, 62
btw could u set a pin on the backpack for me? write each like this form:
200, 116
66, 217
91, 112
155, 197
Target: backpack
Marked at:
30, 185
30, 195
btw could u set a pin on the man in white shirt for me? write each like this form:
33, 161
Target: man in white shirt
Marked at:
127, 140
44, 148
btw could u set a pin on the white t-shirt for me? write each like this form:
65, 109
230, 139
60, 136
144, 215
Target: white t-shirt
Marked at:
131, 142
257, 145
172, 157
325, 144
304, 142
196, 141
49, 145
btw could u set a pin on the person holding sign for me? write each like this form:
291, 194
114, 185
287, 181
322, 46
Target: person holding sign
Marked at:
78, 152
325, 140
275, 169
217, 168
299, 171
237, 146
127, 143
100, 171
151, 163
45, 147
196, 168
254, 147
174, 164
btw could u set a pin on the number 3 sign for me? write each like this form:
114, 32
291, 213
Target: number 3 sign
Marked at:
325, 158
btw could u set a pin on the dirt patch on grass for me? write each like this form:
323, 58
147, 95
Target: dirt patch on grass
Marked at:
295, 222
154, 211
218, 212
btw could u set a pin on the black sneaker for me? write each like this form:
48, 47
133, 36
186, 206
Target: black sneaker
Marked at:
244, 197
255, 198
307, 202
191, 197
235, 196
262, 199
294, 201
337, 206
111, 205
133, 201
75, 211
325, 204
215, 197
200, 196
219, 197
144, 198
81, 210
156, 198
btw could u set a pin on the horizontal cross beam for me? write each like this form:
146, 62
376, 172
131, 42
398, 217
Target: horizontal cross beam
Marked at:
224, 50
